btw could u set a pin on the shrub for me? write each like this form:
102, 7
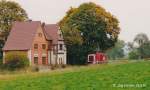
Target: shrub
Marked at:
53, 67
63, 66
16, 60
144, 50
134, 54
1, 63
35, 68
1, 56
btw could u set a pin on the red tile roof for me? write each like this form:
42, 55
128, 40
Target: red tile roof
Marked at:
21, 35
52, 32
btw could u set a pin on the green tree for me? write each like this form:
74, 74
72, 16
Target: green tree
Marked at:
134, 54
144, 50
141, 39
130, 45
1, 46
9, 12
116, 52
88, 28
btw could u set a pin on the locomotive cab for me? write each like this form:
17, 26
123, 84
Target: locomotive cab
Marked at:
97, 58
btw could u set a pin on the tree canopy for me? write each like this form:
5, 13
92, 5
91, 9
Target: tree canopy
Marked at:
89, 28
117, 51
10, 12
141, 38
142, 50
145, 50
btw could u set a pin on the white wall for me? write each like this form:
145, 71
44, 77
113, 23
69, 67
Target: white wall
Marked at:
29, 56
59, 57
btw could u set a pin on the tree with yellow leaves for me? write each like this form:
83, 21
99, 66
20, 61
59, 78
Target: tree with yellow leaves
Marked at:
86, 29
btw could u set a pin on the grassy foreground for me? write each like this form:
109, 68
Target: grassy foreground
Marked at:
115, 76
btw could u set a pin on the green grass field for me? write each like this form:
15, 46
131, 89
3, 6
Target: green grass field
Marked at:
114, 76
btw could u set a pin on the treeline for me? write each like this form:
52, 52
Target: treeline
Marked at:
139, 48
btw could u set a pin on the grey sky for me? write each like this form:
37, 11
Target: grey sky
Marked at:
134, 15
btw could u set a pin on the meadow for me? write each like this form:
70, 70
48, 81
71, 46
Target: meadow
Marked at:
124, 75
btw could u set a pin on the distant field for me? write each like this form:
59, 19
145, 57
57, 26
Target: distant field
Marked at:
115, 76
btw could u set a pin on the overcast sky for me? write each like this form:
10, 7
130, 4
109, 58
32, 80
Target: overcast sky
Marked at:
134, 15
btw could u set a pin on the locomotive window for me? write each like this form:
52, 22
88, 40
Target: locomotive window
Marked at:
91, 58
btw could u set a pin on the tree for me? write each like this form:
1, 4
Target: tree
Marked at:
134, 54
1, 46
130, 45
141, 38
88, 28
9, 13
144, 50
116, 52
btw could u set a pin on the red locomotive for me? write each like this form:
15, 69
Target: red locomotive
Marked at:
97, 58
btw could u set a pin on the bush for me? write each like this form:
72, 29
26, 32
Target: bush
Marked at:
1, 61
57, 66
53, 67
35, 68
63, 66
134, 54
144, 50
1, 55
16, 60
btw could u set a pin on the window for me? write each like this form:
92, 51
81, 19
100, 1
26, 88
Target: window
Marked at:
43, 60
43, 46
35, 60
60, 46
35, 46
40, 34
91, 58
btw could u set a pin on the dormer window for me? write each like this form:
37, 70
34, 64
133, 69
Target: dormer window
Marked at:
40, 34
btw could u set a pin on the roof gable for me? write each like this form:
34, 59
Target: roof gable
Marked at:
52, 32
39, 36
